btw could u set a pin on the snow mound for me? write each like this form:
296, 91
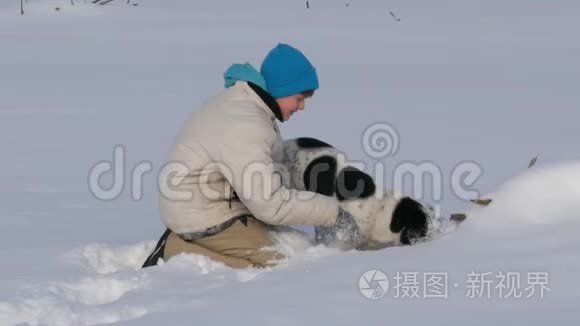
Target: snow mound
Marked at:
540, 196
85, 302
106, 258
93, 291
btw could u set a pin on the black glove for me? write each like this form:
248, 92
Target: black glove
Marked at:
344, 234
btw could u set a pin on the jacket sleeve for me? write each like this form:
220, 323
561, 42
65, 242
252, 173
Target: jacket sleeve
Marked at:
245, 160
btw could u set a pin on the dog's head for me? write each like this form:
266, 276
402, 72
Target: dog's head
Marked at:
401, 221
411, 220
383, 222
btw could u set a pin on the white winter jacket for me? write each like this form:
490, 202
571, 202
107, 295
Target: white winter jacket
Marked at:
230, 147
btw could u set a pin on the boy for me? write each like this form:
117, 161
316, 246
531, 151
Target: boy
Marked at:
223, 146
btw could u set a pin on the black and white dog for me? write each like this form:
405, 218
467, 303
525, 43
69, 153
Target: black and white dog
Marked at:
383, 219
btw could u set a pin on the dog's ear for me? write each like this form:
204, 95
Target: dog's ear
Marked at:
306, 142
352, 183
319, 175
409, 215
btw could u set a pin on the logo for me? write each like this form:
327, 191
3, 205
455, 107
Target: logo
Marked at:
373, 284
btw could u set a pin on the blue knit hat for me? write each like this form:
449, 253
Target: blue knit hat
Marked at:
287, 71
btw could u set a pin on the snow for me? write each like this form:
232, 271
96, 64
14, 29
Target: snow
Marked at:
539, 197
492, 82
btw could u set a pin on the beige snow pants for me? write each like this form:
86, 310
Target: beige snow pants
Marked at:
238, 246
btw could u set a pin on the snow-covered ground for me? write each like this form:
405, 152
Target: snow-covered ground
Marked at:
485, 81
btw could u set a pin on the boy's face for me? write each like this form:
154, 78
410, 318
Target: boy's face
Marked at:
290, 104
